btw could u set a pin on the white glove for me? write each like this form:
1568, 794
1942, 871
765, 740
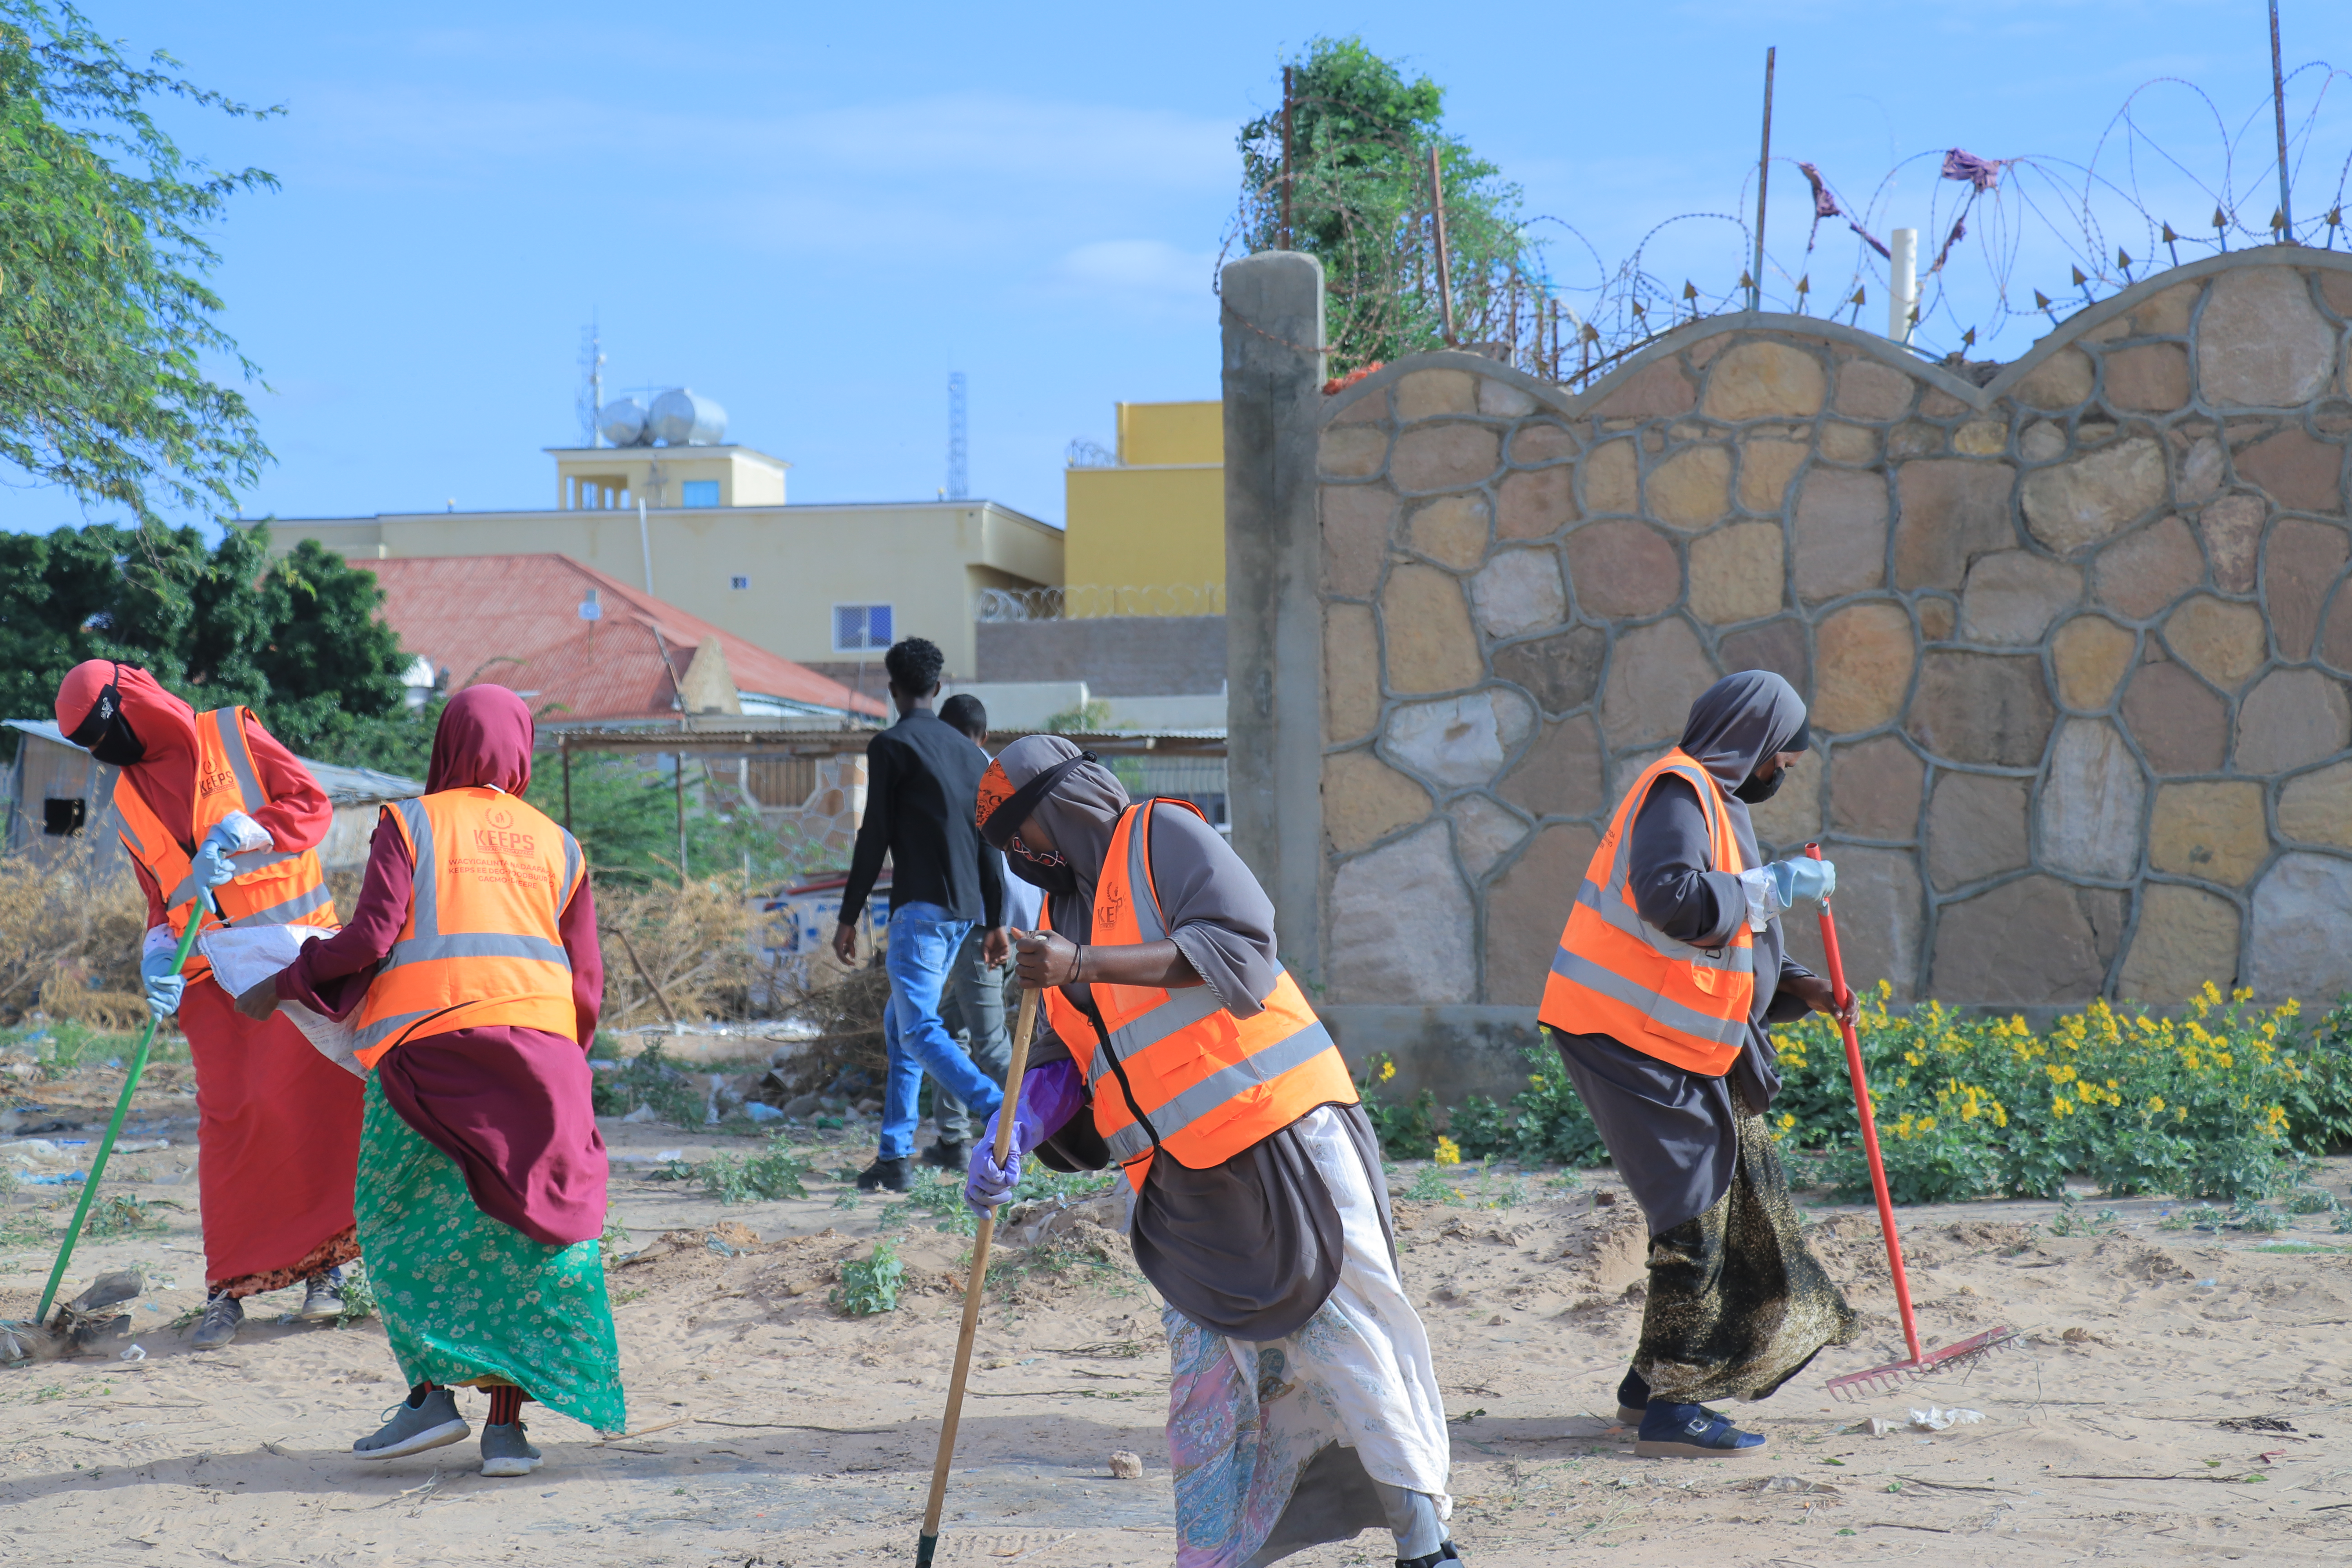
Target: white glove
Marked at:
1774, 887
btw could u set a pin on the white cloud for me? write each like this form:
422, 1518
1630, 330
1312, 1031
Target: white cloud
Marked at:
1144, 269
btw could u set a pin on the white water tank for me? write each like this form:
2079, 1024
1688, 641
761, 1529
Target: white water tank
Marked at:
682, 418
622, 423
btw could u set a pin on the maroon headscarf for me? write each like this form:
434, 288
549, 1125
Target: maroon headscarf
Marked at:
165, 778
485, 737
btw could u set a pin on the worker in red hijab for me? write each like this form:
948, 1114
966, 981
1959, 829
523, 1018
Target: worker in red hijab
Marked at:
221, 824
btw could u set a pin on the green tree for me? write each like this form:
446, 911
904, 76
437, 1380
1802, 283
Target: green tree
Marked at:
298, 640
625, 814
105, 318
1361, 135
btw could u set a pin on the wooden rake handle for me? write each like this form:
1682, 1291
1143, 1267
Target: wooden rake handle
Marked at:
975, 1287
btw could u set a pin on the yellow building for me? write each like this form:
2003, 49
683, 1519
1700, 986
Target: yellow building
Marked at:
828, 586
1147, 535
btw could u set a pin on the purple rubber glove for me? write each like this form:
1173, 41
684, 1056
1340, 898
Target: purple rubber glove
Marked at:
1050, 1095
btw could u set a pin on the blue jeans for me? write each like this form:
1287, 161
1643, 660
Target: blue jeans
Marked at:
923, 947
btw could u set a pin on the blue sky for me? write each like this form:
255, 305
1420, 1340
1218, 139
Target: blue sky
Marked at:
814, 213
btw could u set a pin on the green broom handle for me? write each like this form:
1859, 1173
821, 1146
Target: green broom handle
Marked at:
114, 1128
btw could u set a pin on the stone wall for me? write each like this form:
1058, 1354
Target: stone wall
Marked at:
2075, 640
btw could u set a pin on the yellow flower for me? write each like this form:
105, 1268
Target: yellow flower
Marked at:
1926, 1124
2000, 1116
2061, 1107
1787, 1120
2155, 1105
1388, 1070
1448, 1153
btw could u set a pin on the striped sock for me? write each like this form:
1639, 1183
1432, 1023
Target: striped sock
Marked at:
506, 1405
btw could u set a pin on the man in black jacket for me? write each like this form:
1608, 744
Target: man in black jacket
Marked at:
922, 790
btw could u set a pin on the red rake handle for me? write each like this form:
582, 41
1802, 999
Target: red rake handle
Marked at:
1869, 1124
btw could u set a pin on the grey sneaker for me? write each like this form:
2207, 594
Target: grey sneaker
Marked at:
413, 1428
507, 1451
322, 1298
223, 1315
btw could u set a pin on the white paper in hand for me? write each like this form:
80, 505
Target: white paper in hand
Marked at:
244, 956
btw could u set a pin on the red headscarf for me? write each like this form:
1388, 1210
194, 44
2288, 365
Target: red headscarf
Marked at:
165, 778
485, 737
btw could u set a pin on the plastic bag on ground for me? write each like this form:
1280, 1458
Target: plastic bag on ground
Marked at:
1936, 1419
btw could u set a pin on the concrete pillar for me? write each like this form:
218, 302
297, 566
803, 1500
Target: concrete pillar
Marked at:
1273, 331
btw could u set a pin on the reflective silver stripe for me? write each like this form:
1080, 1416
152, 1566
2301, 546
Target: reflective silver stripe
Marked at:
1613, 906
180, 894
318, 898
421, 949
1672, 1015
1184, 1007
570, 869
1178, 1113
1128, 1142
382, 1029
240, 760
1624, 915
1149, 926
424, 894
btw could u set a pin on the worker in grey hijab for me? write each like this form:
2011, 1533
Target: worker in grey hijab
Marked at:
1675, 1135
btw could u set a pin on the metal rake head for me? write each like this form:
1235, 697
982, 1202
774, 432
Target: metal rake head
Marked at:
1857, 1386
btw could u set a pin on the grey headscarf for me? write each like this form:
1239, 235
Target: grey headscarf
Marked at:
1736, 724
1217, 915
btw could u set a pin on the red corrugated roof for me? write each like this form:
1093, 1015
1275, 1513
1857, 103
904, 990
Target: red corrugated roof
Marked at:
514, 621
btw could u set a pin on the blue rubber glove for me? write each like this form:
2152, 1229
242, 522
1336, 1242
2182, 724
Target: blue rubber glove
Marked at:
211, 863
1050, 1095
1805, 879
163, 986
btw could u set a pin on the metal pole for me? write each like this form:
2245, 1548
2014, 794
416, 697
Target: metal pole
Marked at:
1289, 236
679, 758
2278, 104
563, 753
1903, 271
1444, 272
1763, 177
646, 544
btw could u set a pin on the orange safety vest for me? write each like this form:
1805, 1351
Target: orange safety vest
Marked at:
273, 887
1173, 1071
1616, 975
482, 944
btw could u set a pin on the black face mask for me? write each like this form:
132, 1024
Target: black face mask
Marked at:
1757, 791
106, 734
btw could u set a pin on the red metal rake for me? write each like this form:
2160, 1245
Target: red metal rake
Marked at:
1889, 1379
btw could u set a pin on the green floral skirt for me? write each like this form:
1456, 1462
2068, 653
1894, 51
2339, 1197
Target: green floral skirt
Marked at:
468, 1299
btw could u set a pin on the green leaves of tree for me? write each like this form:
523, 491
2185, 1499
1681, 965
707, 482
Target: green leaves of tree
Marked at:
105, 319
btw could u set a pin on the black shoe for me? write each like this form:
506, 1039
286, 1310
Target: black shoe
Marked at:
947, 1155
223, 1315
1437, 1559
883, 1176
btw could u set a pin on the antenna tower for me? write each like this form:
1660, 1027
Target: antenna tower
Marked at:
958, 468
590, 398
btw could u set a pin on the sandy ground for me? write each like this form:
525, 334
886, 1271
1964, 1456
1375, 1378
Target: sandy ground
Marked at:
769, 1430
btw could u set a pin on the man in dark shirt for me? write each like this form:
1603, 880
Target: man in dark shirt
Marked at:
922, 792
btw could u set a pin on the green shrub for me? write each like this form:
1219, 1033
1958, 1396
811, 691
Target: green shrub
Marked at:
773, 1173
649, 1078
2204, 1106
870, 1285
1407, 1129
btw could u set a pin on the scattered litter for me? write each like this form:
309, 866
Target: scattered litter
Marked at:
642, 1113
761, 1111
1936, 1419
73, 1142
667, 1155
136, 1352
598, 1064
56, 1179
2207, 1284
2254, 1423
720, 1246
34, 1154
1784, 1484
1126, 1466
1871, 1427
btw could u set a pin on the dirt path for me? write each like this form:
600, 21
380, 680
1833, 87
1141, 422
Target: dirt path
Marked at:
774, 1431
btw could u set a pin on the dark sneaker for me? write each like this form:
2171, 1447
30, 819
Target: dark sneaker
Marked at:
1693, 1432
1633, 1399
322, 1298
948, 1156
223, 1315
883, 1176
1437, 1559
411, 1428
507, 1451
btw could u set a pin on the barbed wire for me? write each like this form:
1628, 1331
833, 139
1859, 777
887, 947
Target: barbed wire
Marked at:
2009, 244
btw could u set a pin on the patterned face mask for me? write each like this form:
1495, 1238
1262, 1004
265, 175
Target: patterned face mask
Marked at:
1047, 870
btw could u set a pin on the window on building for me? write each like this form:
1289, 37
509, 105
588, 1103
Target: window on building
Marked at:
860, 628
698, 492
62, 818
